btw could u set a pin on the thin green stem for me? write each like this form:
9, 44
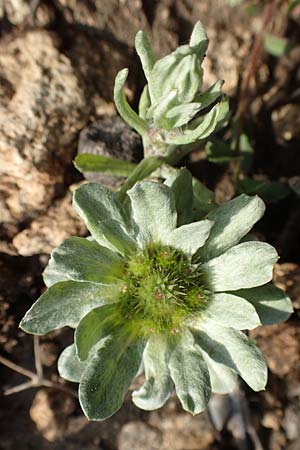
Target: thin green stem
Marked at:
143, 170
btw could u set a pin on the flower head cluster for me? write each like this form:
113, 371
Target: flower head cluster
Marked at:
174, 111
151, 290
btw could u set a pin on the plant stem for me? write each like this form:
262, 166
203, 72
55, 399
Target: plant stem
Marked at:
17, 368
37, 379
37, 357
143, 170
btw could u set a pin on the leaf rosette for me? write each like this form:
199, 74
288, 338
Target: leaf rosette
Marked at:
151, 290
174, 111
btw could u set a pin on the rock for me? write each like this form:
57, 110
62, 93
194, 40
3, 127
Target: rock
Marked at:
287, 277
277, 441
139, 436
280, 345
51, 229
272, 420
48, 353
110, 137
50, 411
6, 326
180, 430
110, 15
291, 421
17, 11
42, 109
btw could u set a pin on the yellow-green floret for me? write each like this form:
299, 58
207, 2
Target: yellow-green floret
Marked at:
162, 289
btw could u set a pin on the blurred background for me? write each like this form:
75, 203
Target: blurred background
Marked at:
58, 61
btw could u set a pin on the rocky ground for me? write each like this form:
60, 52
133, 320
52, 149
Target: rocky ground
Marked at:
58, 60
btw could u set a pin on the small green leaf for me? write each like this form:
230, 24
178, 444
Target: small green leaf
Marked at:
108, 376
275, 45
269, 191
86, 162
218, 152
271, 303
80, 259
125, 111
246, 265
158, 386
64, 304
190, 374
142, 170
68, 365
246, 152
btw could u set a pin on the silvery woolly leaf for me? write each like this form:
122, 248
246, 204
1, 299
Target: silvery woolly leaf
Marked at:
158, 111
180, 70
209, 96
271, 303
223, 114
145, 53
144, 102
196, 130
222, 378
190, 374
79, 259
232, 221
189, 238
180, 184
94, 326
105, 217
180, 115
158, 386
69, 366
231, 309
246, 265
64, 304
108, 376
199, 39
125, 111
233, 349
153, 211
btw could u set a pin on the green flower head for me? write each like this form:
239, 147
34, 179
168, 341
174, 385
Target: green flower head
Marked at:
153, 291
174, 111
